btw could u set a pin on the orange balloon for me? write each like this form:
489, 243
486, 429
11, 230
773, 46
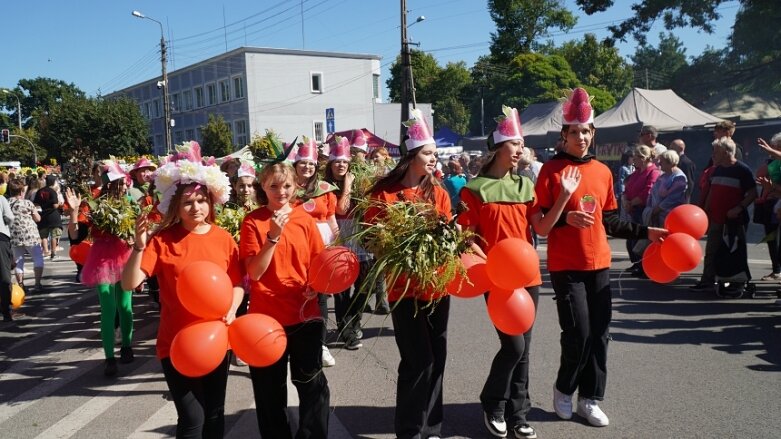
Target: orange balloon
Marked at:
205, 290
688, 219
512, 263
512, 312
257, 339
476, 281
681, 252
334, 270
654, 266
17, 296
79, 252
199, 348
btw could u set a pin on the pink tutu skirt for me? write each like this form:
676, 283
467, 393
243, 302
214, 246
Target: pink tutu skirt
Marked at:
105, 261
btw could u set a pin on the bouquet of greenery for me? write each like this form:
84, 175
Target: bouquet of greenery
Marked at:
413, 244
116, 216
230, 218
366, 173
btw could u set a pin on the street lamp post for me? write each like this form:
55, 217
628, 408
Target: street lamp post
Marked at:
407, 82
164, 85
18, 107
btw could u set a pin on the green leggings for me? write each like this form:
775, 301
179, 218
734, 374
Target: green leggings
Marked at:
112, 300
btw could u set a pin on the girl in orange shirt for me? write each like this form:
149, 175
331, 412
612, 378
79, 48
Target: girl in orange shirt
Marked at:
187, 234
277, 246
420, 336
500, 204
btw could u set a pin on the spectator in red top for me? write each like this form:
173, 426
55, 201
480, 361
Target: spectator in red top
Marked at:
637, 187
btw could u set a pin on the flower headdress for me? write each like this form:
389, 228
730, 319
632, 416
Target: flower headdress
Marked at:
359, 141
340, 150
306, 149
577, 108
111, 171
508, 126
418, 131
185, 167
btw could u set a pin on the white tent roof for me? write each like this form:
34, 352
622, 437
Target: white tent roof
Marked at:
541, 124
663, 109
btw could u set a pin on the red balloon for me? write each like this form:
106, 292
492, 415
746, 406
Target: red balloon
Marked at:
257, 339
199, 348
512, 312
681, 252
205, 290
512, 263
476, 281
334, 270
79, 252
654, 266
688, 219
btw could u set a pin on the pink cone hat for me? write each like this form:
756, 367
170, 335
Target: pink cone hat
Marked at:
246, 170
114, 171
418, 131
359, 141
509, 126
577, 108
339, 151
304, 150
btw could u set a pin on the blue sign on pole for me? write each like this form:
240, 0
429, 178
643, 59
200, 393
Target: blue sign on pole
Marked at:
330, 125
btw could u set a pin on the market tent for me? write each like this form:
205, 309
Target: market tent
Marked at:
372, 140
446, 137
541, 124
741, 107
663, 109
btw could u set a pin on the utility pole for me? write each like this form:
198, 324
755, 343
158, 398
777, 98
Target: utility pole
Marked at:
166, 103
405, 70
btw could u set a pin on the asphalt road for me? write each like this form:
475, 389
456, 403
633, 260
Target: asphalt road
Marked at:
681, 364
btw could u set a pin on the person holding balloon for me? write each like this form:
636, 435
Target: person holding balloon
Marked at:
421, 335
278, 243
579, 261
187, 236
500, 204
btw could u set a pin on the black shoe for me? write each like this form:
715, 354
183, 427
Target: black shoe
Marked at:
524, 431
352, 343
701, 286
111, 367
126, 354
495, 425
730, 291
7, 318
382, 309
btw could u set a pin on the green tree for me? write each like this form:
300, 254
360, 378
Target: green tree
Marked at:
425, 71
755, 47
217, 137
522, 24
704, 77
656, 67
37, 97
598, 64
105, 126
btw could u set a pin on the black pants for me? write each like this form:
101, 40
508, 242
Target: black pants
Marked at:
584, 305
6, 258
637, 217
773, 248
421, 336
506, 390
347, 309
200, 402
269, 385
322, 303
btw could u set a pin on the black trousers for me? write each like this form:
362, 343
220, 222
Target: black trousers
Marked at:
421, 336
584, 305
347, 309
200, 402
322, 303
269, 385
506, 390
772, 248
6, 260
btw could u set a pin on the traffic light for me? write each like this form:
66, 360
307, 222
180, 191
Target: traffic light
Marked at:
6, 135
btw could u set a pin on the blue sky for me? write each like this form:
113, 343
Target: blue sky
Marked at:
99, 46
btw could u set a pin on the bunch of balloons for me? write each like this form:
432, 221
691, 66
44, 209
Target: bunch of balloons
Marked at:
512, 264
334, 270
680, 251
206, 291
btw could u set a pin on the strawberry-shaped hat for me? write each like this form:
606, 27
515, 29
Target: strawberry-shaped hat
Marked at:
245, 170
418, 131
577, 108
340, 150
359, 141
508, 126
306, 149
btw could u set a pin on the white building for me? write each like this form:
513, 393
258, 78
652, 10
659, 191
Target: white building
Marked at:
255, 89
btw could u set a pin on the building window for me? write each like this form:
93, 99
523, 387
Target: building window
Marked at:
199, 101
376, 86
178, 136
238, 87
198, 134
189, 134
225, 91
187, 100
211, 94
241, 132
317, 82
159, 142
176, 103
145, 110
318, 128
156, 108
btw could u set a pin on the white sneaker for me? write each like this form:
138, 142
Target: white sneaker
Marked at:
328, 359
589, 409
562, 404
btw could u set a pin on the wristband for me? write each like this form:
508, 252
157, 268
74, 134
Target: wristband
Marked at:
272, 240
136, 249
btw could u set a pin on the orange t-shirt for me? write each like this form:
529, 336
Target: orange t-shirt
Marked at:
281, 292
167, 254
572, 248
497, 221
390, 195
319, 208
